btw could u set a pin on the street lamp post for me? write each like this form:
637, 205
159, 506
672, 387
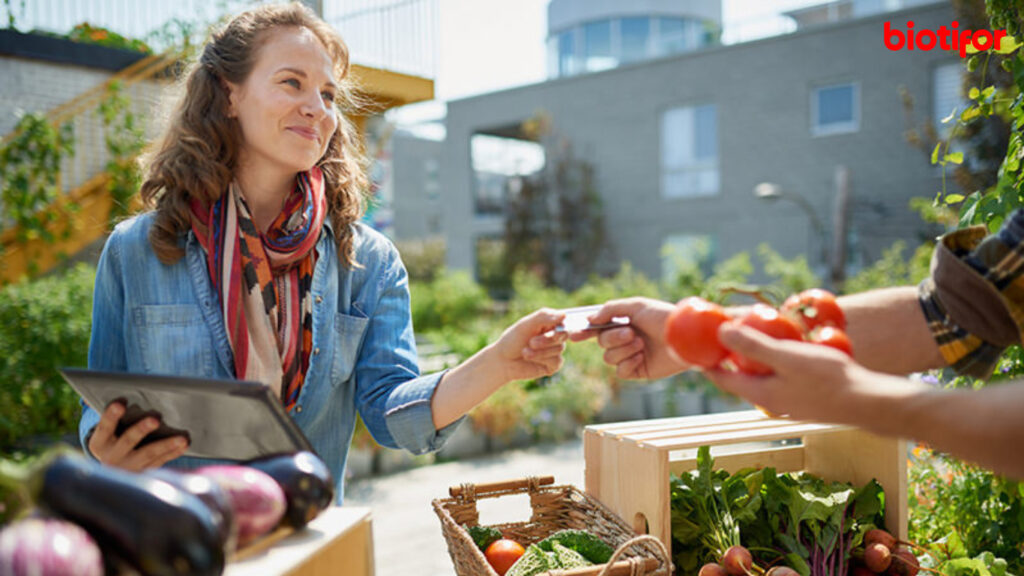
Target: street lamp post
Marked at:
834, 261
769, 191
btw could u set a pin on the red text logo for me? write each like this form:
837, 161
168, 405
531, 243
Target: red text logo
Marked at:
945, 38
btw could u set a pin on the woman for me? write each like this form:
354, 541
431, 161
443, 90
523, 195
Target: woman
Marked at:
253, 265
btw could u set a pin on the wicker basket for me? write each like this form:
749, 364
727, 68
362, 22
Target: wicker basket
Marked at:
554, 508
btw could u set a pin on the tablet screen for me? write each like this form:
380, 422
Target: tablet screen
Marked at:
223, 419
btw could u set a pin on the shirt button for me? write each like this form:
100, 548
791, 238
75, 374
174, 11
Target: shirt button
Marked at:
319, 299
298, 409
316, 351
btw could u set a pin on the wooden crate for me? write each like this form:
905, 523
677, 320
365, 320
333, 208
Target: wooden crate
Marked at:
628, 463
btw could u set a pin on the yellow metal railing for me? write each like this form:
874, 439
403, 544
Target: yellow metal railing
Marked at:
82, 178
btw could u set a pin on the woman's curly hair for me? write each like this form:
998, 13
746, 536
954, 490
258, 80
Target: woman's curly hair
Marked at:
197, 155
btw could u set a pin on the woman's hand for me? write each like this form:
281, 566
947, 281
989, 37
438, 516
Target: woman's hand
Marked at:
528, 349
123, 451
637, 351
531, 348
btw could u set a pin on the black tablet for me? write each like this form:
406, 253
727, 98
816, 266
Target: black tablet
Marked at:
223, 419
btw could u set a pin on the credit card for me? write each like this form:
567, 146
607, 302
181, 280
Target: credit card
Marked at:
576, 320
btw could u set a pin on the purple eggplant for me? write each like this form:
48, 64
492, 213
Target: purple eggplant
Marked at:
215, 498
48, 547
158, 529
256, 499
306, 481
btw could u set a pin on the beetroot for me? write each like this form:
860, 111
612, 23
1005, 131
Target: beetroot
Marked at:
711, 569
48, 547
737, 561
877, 557
781, 571
904, 563
880, 536
256, 499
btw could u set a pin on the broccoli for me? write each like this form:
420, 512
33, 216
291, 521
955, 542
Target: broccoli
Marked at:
483, 536
589, 546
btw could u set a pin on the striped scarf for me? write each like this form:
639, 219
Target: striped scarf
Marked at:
264, 281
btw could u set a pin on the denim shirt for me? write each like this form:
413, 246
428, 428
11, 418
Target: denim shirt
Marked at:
154, 318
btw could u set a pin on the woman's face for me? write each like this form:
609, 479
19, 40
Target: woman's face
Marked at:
286, 106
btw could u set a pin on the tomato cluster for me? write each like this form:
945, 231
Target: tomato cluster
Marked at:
691, 330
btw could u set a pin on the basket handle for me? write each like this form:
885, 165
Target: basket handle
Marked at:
479, 489
631, 567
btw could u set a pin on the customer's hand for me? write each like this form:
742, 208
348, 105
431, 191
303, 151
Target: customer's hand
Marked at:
531, 348
123, 451
637, 351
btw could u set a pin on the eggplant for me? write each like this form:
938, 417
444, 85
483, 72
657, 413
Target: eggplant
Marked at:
256, 499
306, 481
151, 525
48, 547
215, 498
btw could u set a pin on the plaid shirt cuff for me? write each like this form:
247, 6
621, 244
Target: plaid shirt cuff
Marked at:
974, 299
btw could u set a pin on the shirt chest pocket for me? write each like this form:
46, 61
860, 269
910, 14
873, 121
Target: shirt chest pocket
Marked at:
349, 331
174, 339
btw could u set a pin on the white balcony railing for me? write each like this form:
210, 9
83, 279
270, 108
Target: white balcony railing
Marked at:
397, 35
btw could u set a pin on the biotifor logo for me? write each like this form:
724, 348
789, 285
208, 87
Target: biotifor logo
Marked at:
946, 38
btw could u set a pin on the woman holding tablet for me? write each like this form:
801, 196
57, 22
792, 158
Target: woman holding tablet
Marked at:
252, 263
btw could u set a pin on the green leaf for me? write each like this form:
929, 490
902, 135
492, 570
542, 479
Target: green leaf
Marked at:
953, 198
935, 153
973, 93
1007, 45
954, 157
947, 120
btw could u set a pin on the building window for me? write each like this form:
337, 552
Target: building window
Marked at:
431, 179
835, 109
635, 38
689, 152
597, 46
947, 95
566, 53
686, 256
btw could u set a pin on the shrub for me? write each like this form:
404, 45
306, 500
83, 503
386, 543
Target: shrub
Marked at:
44, 324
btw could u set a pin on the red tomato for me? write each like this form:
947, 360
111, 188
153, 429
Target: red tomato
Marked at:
833, 337
771, 322
815, 307
502, 554
691, 332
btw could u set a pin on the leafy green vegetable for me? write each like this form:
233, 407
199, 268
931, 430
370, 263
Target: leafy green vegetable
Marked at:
483, 536
534, 561
588, 545
567, 558
796, 519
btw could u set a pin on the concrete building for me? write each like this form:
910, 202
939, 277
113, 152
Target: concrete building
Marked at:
680, 142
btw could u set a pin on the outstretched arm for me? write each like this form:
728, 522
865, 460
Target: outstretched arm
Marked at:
528, 349
887, 327
817, 383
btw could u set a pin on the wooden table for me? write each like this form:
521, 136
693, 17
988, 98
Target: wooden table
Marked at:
339, 542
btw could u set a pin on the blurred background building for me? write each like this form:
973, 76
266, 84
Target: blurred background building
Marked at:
683, 117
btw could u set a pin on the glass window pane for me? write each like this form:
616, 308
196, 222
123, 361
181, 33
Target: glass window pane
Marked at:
635, 35
597, 46
677, 138
706, 145
566, 54
671, 35
835, 105
689, 152
947, 94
